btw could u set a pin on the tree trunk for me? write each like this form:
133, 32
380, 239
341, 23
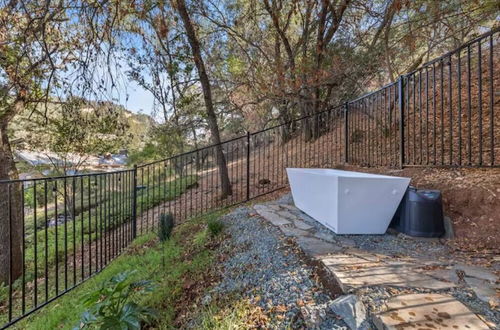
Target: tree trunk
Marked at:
207, 95
197, 156
324, 35
11, 226
305, 93
282, 102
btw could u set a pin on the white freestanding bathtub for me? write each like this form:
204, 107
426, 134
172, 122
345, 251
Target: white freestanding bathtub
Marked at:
347, 202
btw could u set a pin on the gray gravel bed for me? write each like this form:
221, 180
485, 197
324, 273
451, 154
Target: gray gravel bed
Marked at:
263, 266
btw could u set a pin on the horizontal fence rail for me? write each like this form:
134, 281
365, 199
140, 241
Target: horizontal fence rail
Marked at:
62, 230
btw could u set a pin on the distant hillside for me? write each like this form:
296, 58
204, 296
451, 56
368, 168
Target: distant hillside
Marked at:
138, 124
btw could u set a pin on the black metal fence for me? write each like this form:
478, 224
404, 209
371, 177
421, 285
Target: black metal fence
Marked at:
62, 230
442, 114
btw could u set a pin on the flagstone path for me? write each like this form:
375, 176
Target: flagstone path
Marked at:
418, 284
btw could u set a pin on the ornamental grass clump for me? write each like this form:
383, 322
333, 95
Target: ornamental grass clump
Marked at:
215, 226
166, 226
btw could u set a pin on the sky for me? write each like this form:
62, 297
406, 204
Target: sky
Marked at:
139, 101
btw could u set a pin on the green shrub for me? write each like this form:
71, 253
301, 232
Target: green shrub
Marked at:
166, 226
215, 226
111, 306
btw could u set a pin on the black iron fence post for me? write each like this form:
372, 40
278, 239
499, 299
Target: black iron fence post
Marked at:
134, 202
248, 166
401, 121
346, 130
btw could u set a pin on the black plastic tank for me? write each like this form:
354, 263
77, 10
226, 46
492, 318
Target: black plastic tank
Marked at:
420, 213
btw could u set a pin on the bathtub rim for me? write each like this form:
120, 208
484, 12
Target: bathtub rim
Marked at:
343, 173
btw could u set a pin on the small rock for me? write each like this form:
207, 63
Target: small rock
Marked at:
206, 300
313, 315
352, 311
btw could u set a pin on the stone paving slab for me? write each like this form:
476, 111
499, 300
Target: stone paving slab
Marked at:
285, 214
477, 272
324, 236
484, 290
274, 207
446, 274
317, 248
355, 272
291, 231
301, 224
272, 217
427, 311
372, 256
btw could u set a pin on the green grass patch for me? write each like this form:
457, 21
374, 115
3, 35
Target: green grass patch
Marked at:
231, 313
169, 264
159, 192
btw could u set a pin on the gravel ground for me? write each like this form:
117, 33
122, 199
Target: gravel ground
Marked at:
265, 269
